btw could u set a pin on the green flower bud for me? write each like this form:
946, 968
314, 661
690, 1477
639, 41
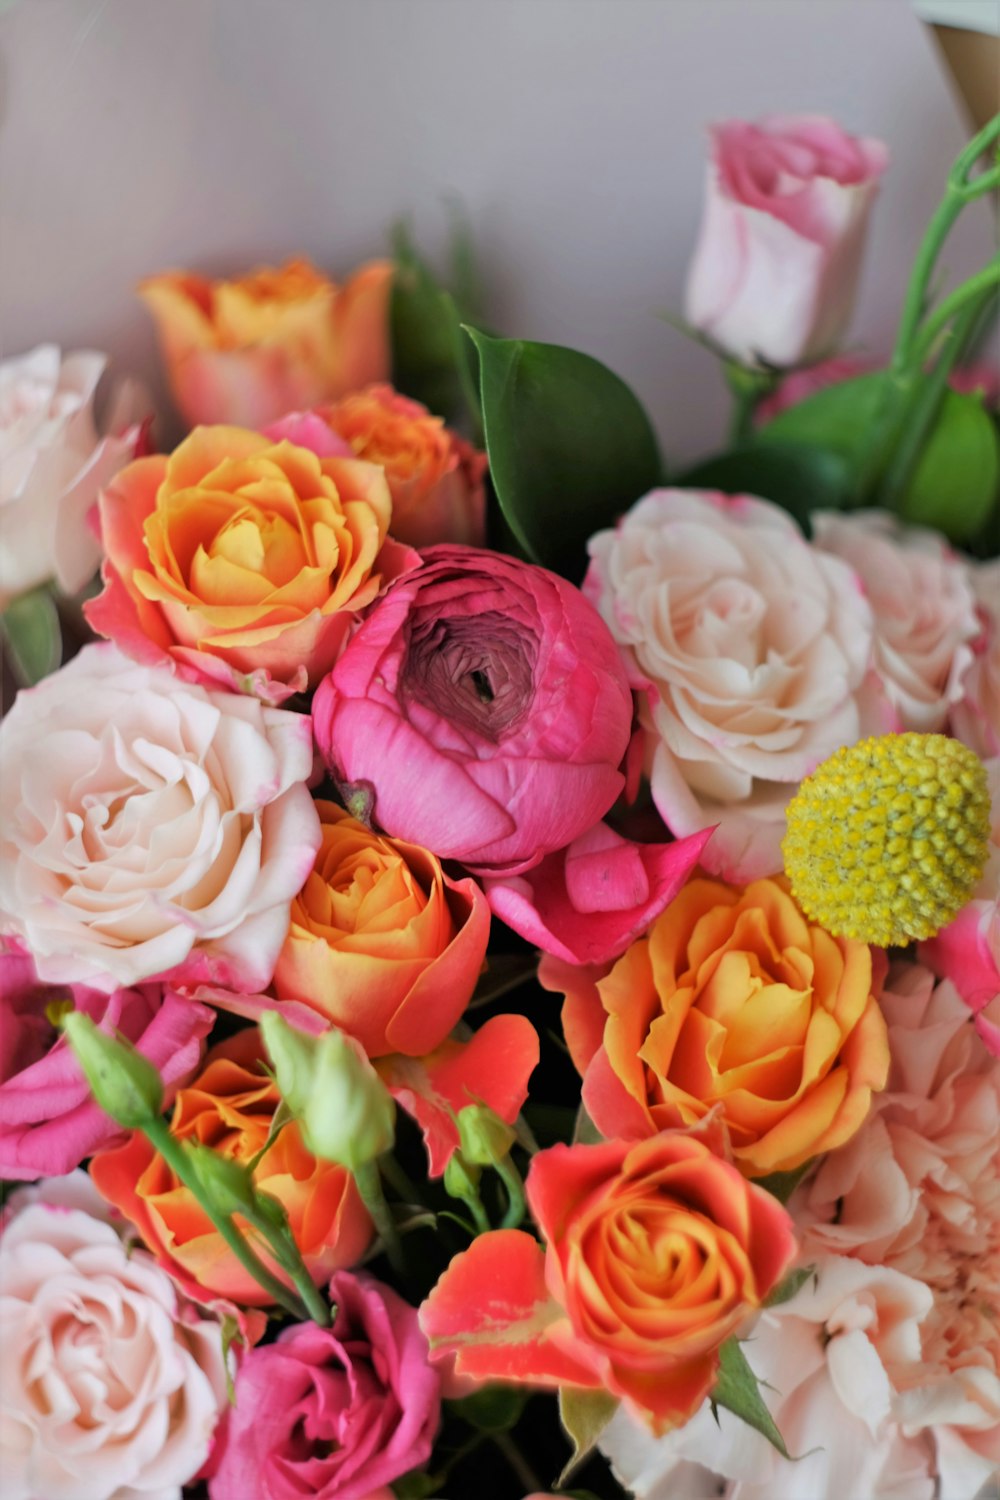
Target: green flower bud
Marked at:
461, 1177
485, 1138
123, 1082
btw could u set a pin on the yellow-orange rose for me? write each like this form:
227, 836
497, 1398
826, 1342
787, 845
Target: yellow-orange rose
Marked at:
435, 478
277, 340
733, 1000
239, 557
382, 942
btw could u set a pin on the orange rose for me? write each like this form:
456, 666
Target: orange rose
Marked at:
733, 1000
382, 942
239, 557
435, 478
229, 1107
656, 1253
277, 340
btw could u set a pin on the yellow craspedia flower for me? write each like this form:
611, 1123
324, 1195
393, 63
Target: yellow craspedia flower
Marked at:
887, 838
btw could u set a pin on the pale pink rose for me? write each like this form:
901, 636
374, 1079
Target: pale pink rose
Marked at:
113, 1385
976, 719
776, 265
54, 459
748, 648
336, 1413
48, 1120
163, 830
924, 608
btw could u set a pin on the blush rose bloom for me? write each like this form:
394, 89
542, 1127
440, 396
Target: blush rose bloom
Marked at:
243, 560
163, 832
484, 706
976, 719
779, 251
113, 1383
734, 1002
336, 1412
230, 1107
278, 339
435, 477
748, 648
48, 1120
924, 609
54, 459
655, 1254
382, 942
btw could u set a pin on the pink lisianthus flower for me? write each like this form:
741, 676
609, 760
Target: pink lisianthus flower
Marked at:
337, 1413
48, 1120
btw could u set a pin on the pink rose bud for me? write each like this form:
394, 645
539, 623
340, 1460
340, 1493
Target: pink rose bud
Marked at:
776, 265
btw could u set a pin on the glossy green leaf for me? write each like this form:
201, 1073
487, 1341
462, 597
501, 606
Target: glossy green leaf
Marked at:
32, 635
493, 1408
570, 446
584, 1415
956, 482
837, 419
431, 359
789, 1285
781, 1185
738, 1391
798, 478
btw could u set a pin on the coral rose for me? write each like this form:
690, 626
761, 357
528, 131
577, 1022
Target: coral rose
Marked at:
733, 1001
382, 942
113, 1383
48, 1120
749, 648
435, 478
230, 1107
656, 1254
275, 340
486, 707
243, 560
338, 1412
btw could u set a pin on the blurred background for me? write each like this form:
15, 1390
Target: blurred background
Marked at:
215, 134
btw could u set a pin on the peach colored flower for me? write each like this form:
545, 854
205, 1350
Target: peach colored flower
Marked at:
733, 1002
748, 648
276, 340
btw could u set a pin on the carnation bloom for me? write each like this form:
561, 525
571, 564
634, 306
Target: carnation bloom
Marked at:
484, 708
278, 339
748, 648
243, 560
113, 1383
733, 1002
48, 1120
163, 833
230, 1107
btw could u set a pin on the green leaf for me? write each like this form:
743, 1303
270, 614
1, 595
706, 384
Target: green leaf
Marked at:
431, 360
416, 1485
584, 1415
837, 419
798, 478
569, 445
31, 631
737, 1390
955, 484
782, 1185
789, 1285
494, 1408
231, 1335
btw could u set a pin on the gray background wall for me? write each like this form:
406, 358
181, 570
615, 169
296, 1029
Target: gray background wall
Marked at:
140, 134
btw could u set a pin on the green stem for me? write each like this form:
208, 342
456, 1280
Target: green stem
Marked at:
972, 290
400, 1181
158, 1134
286, 1252
517, 1461
370, 1187
748, 388
511, 1179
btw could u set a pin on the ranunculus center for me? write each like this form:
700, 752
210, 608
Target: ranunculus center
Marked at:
477, 672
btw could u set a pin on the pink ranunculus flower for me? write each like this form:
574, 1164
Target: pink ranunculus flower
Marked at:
976, 719
163, 833
925, 613
54, 459
748, 649
485, 708
48, 1120
113, 1383
337, 1413
776, 265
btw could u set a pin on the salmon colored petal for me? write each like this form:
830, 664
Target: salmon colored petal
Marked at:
583, 1015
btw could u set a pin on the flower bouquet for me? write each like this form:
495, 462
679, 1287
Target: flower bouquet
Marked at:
501, 960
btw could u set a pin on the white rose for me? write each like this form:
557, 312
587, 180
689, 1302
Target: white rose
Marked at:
925, 612
53, 463
151, 826
112, 1385
753, 646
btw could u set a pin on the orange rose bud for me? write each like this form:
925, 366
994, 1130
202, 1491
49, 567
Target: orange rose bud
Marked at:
435, 477
277, 340
382, 942
733, 1000
656, 1253
229, 1107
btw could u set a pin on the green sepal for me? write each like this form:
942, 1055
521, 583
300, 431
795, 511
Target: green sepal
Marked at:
31, 631
738, 1391
584, 1416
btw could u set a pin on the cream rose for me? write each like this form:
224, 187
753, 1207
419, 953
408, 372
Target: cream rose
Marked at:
165, 829
924, 608
53, 462
112, 1384
976, 719
748, 647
